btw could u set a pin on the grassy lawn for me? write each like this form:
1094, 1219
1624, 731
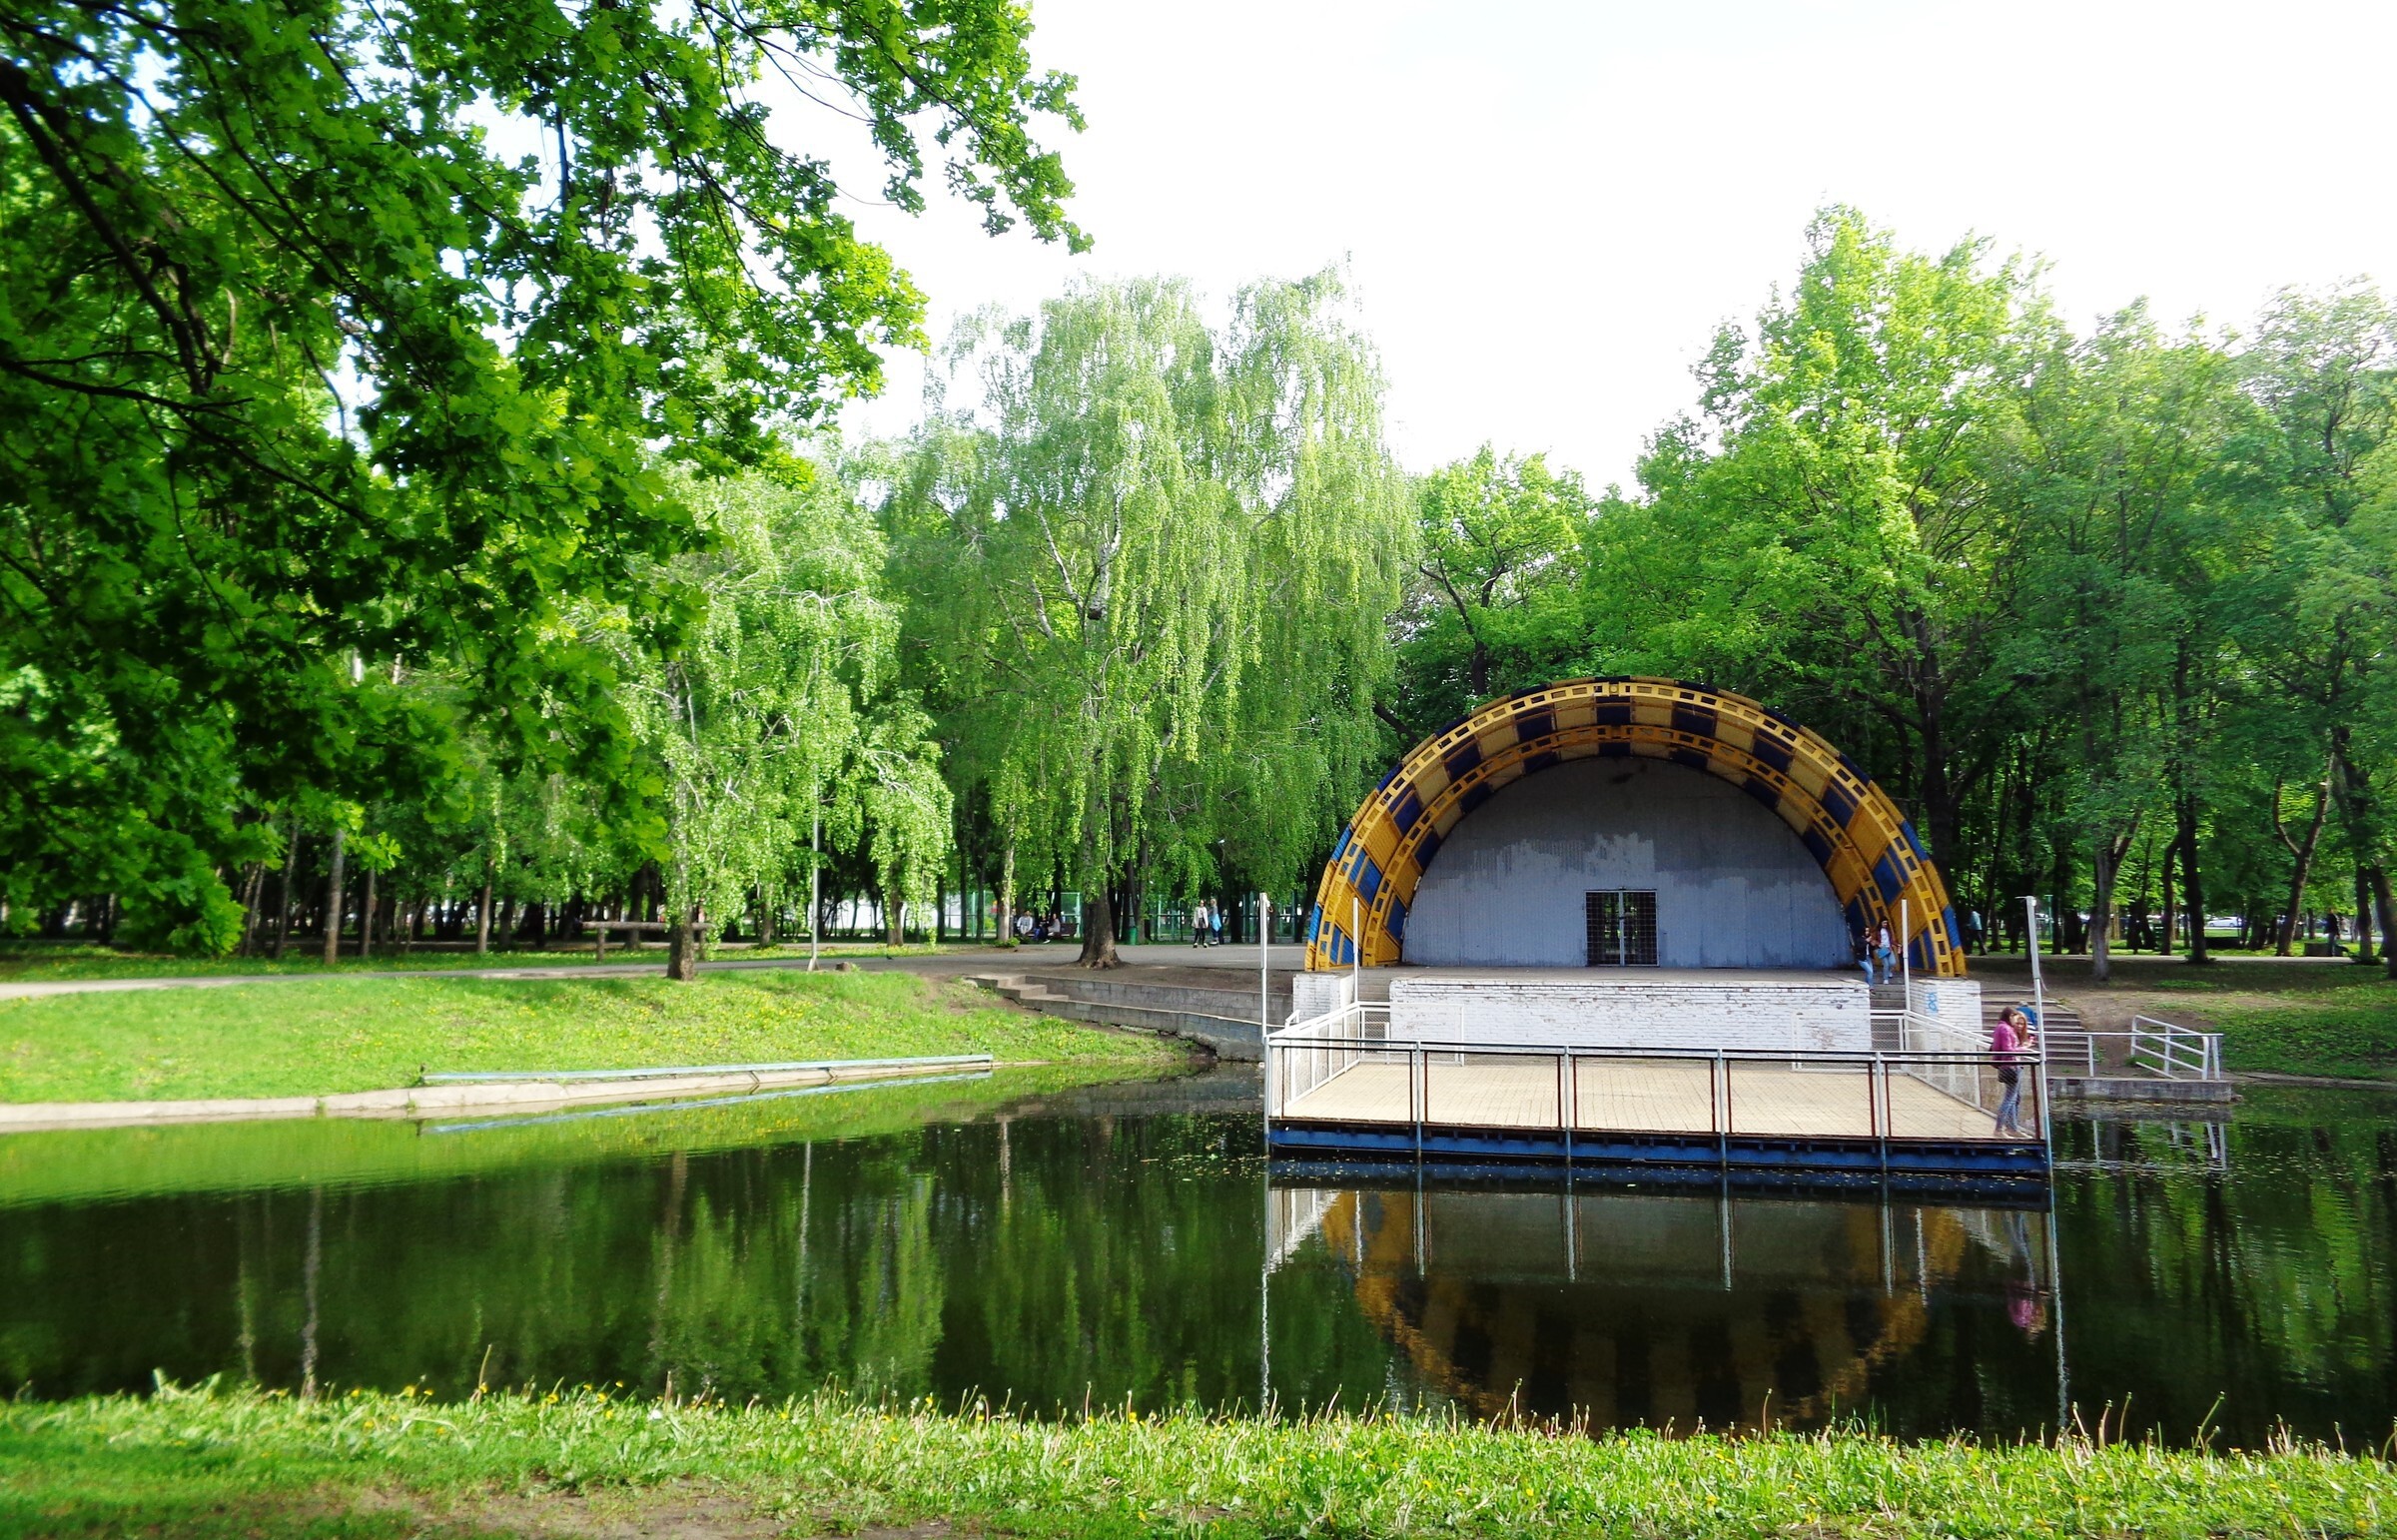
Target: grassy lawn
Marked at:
37, 962
238, 1464
332, 1035
2283, 1017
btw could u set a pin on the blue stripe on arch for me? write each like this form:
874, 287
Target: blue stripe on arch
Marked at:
1886, 878
1689, 757
1538, 722
1906, 829
1839, 802
1773, 752
1956, 936
1406, 810
1396, 924
1314, 926
1368, 879
1462, 758
1761, 791
1818, 845
1427, 848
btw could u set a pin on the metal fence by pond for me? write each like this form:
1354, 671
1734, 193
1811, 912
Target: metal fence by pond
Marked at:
1940, 1085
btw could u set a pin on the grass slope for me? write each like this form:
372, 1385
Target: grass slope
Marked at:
2277, 1016
332, 1035
51, 961
236, 1463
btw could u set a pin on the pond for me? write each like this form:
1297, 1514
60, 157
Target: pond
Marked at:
1058, 1247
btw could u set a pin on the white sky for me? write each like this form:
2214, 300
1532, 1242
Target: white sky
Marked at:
1547, 208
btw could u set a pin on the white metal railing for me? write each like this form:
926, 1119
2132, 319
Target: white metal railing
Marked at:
1553, 1086
2154, 1047
1335, 1042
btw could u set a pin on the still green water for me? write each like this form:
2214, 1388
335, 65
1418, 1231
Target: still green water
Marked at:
1055, 1246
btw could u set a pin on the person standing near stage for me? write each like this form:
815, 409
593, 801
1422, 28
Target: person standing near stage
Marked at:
1863, 951
1883, 953
2010, 1041
1199, 924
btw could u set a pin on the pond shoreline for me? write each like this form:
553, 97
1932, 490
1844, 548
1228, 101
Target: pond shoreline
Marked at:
530, 1093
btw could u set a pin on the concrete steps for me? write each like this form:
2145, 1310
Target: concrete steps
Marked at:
1221, 1021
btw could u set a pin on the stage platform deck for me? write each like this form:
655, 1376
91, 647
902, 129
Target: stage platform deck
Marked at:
1642, 1095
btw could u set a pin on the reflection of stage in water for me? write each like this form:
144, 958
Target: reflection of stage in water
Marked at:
1675, 1311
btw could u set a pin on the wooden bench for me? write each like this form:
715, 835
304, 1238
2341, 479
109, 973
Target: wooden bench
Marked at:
601, 928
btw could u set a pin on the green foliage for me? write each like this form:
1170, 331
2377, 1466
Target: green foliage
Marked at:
336, 344
1496, 604
1148, 564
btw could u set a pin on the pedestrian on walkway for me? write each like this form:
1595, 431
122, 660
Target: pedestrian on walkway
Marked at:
1883, 953
1199, 924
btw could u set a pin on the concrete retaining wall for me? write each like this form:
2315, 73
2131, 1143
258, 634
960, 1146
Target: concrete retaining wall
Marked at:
483, 1097
1827, 1015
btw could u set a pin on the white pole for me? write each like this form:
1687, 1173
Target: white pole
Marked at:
815, 907
1356, 952
1265, 958
1905, 966
1264, 1036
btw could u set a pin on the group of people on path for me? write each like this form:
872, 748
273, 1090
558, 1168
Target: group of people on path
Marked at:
1207, 924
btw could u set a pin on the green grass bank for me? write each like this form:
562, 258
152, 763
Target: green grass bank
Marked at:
208, 1463
46, 961
2277, 1016
325, 1036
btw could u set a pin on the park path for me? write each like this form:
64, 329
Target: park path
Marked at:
937, 965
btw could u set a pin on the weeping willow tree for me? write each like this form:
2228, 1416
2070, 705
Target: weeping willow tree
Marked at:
779, 717
1150, 563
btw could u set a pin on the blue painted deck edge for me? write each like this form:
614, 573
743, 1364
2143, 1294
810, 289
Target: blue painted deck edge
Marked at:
1869, 1160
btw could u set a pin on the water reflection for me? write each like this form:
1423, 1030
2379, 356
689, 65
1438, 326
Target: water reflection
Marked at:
1124, 1245
1668, 1308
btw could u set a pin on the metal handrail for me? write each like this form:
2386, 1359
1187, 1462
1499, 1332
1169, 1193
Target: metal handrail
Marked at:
2161, 1048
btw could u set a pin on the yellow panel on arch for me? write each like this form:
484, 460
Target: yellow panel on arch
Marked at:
1876, 866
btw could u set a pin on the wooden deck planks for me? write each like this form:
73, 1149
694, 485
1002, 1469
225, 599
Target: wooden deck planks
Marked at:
1645, 1096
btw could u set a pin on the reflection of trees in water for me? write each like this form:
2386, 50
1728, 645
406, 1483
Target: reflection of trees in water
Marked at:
1105, 1256
2267, 1286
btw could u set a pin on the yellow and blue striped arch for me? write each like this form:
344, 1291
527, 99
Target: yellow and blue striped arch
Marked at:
1864, 845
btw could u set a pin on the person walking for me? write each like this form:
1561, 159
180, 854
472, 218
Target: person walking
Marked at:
1883, 955
1215, 922
1863, 951
1199, 924
2010, 1041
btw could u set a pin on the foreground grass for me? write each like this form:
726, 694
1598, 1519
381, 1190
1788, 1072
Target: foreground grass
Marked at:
239, 1464
2275, 1016
332, 1035
42, 962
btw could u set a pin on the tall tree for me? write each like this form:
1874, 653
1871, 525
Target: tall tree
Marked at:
305, 358
1151, 562
1495, 599
1832, 529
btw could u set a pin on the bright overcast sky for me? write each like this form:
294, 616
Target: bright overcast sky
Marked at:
1546, 210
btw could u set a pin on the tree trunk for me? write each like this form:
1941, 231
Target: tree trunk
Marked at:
2353, 790
254, 888
765, 914
2192, 886
2363, 916
333, 897
1007, 896
2104, 854
2164, 942
365, 917
682, 946
282, 894
2304, 856
482, 918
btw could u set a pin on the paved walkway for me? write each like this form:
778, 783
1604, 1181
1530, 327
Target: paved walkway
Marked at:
943, 963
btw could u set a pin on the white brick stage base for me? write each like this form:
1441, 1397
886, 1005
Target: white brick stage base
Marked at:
1650, 1008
